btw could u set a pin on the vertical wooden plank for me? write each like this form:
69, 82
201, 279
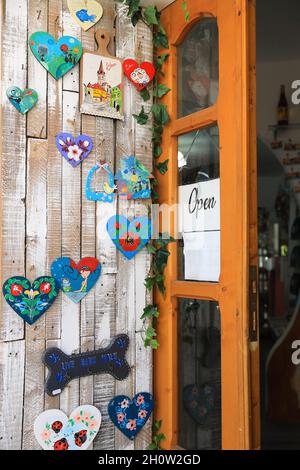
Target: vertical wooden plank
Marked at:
70, 28
37, 75
54, 170
143, 151
36, 245
54, 176
11, 394
105, 288
126, 314
71, 216
14, 31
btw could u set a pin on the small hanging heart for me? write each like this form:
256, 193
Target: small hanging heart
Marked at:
106, 194
199, 402
55, 431
22, 100
86, 13
140, 75
129, 236
130, 416
76, 280
57, 57
30, 301
74, 150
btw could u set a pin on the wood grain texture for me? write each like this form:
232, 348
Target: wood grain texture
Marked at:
51, 217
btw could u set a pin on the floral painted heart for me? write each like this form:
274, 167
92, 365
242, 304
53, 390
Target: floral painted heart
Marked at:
74, 150
140, 75
28, 300
58, 57
22, 100
76, 280
199, 402
130, 416
86, 13
129, 236
55, 431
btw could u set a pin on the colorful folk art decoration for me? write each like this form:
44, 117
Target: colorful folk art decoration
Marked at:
133, 179
199, 402
86, 13
30, 301
74, 150
58, 57
63, 368
106, 193
22, 100
76, 280
140, 75
55, 431
129, 236
101, 81
130, 416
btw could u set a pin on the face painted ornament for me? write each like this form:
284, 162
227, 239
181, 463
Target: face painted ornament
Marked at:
140, 75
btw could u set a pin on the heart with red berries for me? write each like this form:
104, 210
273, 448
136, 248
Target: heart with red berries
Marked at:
55, 431
129, 236
30, 301
139, 74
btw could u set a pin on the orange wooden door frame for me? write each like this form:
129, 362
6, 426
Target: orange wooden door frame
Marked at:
234, 113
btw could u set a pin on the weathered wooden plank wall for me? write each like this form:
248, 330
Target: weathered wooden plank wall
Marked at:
45, 215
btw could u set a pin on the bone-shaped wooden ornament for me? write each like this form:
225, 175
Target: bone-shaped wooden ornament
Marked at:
64, 368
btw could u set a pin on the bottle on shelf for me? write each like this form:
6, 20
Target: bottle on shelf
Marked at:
282, 108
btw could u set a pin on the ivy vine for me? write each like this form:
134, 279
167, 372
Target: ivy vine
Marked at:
157, 436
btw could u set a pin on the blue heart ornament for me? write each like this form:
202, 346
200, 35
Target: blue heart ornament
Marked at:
199, 402
76, 280
129, 236
30, 301
57, 57
22, 100
130, 416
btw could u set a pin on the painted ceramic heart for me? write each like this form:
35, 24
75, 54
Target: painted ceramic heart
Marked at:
76, 280
130, 416
58, 57
140, 75
28, 300
86, 13
55, 431
22, 100
199, 402
129, 236
74, 150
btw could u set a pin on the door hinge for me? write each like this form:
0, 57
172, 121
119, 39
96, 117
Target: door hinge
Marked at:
253, 304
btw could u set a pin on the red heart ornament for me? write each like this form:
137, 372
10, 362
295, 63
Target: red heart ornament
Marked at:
140, 75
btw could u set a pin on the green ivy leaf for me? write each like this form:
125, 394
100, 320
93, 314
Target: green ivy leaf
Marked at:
157, 151
161, 90
154, 344
145, 94
150, 311
150, 15
151, 249
160, 113
149, 282
142, 117
150, 332
160, 39
162, 167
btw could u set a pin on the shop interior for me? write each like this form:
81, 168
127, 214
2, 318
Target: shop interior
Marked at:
278, 150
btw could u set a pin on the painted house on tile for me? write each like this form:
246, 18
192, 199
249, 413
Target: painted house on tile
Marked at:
101, 90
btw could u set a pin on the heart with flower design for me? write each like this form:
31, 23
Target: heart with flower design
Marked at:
129, 236
28, 300
55, 431
74, 150
130, 416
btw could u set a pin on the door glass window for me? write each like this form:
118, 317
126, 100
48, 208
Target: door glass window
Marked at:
199, 374
199, 205
198, 68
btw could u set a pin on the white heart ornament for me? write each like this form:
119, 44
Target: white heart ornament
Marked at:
86, 13
55, 431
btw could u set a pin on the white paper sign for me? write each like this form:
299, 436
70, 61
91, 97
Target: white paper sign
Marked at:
199, 222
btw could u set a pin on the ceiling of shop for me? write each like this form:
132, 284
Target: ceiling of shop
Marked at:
278, 30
